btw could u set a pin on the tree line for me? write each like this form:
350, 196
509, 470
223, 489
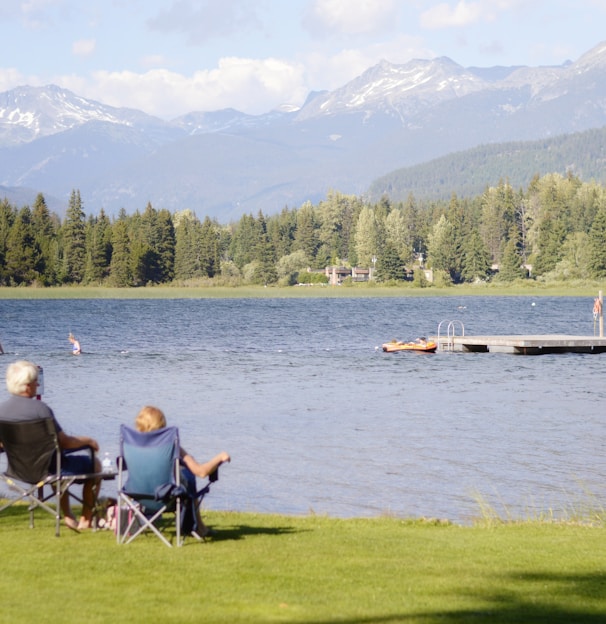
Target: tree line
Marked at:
554, 229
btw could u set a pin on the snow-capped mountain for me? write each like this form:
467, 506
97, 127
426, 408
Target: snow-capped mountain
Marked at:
400, 89
30, 113
226, 163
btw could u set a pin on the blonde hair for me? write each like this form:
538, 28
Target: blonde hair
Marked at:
150, 418
19, 375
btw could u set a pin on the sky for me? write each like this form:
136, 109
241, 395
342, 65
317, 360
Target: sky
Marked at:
171, 57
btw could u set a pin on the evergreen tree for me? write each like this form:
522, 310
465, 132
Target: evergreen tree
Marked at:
265, 257
23, 259
390, 265
244, 240
596, 246
210, 260
187, 253
165, 246
120, 266
550, 245
7, 218
476, 259
306, 235
45, 228
74, 240
281, 231
510, 267
98, 250
265, 269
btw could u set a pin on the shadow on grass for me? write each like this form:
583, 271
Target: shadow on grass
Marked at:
241, 531
508, 607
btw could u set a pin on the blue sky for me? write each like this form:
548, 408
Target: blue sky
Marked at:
170, 57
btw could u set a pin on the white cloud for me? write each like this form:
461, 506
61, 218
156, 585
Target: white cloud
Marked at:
11, 78
84, 47
350, 18
252, 86
204, 20
443, 16
465, 13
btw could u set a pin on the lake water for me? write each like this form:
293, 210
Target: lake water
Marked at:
317, 418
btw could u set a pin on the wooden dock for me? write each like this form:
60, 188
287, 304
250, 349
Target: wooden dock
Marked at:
521, 345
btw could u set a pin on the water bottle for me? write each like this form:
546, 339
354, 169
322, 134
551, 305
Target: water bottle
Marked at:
106, 464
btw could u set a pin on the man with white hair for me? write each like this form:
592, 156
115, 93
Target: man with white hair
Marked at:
22, 384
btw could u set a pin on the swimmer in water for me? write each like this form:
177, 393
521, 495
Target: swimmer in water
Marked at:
75, 344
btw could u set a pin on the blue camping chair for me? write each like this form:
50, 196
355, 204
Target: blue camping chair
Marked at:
150, 463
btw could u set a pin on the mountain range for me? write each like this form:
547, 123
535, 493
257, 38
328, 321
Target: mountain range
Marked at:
227, 163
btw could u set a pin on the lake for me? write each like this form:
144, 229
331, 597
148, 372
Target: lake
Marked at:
317, 418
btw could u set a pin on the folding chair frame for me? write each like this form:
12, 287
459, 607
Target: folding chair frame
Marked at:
29, 481
133, 504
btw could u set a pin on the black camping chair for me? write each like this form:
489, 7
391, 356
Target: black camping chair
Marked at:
30, 448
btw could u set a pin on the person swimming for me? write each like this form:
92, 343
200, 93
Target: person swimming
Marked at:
75, 344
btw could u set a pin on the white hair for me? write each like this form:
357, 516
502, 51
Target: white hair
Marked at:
19, 375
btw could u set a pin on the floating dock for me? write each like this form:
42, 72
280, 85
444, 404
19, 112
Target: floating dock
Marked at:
521, 345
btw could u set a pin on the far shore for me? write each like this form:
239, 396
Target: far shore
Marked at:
529, 289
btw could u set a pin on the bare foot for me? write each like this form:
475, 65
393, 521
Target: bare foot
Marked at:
71, 523
83, 524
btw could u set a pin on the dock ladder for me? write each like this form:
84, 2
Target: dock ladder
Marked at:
447, 343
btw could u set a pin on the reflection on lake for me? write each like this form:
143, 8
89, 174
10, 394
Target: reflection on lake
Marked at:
316, 418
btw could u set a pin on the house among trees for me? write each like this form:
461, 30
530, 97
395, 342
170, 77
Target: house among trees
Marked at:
336, 274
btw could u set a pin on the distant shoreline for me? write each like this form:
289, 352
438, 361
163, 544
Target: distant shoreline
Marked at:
301, 292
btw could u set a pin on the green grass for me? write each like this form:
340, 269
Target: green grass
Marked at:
527, 288
270, 568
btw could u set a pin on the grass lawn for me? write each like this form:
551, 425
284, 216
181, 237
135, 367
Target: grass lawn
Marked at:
270, 568
522, 288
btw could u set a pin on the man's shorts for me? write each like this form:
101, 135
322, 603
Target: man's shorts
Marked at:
75, 464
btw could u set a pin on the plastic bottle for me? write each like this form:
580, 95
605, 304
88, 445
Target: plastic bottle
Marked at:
106, 464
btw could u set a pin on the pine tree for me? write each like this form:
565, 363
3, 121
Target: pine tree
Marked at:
7, 218
390, 265
45, 228
120, 266
74, 240
165, 246
97, 249
596, 244
23, 259
208, 242
306, 235
510, 267
244, 241
187, 253
476, 259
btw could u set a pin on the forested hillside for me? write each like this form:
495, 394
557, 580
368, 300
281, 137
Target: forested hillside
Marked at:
556, 225
470, 172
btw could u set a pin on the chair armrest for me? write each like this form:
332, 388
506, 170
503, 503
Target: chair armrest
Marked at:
84, 447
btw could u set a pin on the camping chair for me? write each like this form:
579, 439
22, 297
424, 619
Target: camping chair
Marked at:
30, 447
152, 488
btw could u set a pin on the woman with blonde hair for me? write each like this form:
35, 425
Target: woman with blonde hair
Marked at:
151, 418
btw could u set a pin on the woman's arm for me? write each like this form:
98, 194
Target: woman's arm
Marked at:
207, 468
